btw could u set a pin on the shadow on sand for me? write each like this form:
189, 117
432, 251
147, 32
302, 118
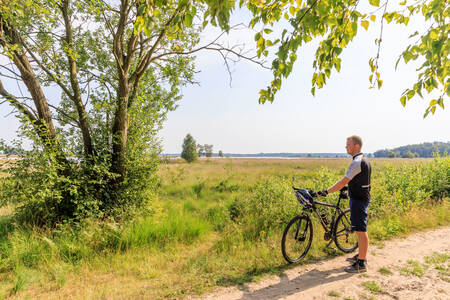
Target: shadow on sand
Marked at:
298, 284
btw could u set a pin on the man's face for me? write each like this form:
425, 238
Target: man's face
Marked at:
350, 146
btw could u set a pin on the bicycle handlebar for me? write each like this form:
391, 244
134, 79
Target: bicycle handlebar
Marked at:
314, 194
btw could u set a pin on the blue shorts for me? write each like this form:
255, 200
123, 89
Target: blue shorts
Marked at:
358, 214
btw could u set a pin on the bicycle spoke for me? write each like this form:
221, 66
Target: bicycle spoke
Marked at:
345, 238
297, 239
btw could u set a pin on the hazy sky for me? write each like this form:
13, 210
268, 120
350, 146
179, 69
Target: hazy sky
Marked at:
231, 119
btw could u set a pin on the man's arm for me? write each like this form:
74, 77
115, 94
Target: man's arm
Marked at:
353, 170
339, 185
336, 187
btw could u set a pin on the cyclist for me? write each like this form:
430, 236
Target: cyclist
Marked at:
358, 180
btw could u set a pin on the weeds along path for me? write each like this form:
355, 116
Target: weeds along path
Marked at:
415, 267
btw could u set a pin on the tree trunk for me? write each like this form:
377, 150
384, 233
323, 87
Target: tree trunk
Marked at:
43, 123
120, 130
9, 35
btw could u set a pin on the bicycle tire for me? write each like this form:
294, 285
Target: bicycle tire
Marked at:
291, 240
345, 230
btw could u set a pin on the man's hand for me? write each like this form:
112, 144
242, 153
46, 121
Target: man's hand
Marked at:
322, 193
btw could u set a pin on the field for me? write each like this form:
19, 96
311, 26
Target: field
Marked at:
216, 222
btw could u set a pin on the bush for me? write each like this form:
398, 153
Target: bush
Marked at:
226, 186
270, 205
399, 188
47, 192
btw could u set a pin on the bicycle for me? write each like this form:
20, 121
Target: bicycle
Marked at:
298, 234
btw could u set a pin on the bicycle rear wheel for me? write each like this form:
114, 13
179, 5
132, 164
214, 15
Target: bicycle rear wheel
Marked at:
297, 238
344, 238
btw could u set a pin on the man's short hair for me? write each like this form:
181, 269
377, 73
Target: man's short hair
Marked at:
357, 140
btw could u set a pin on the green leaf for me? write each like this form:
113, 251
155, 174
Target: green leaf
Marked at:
267, 30
187, 20
433, 35
138, 25
292, 10
365, 24
141, 9
403, 100
374, 2
380, 83
433, 102
388, 17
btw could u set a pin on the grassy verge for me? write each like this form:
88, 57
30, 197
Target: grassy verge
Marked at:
214, 225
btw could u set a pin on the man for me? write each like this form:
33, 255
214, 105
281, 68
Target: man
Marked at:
358, 180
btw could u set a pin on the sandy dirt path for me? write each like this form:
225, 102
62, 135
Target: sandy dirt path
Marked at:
328, 280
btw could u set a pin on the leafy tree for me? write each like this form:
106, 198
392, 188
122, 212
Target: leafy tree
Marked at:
409, 154
100, 77
200, 150
336, 23
220, 153
392, 154
189, 152
208, 150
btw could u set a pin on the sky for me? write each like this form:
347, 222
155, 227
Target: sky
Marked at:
230, 118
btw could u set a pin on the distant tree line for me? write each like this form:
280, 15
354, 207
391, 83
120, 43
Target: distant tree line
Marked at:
416, 150
9, 149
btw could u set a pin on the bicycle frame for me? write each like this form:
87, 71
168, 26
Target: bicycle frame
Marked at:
313, 208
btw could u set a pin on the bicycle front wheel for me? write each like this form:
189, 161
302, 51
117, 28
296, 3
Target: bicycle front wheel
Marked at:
344, 238
297, 238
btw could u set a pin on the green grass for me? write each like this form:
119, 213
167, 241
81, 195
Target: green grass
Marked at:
437, 258
385, 271
372, 286
413, 268
213, 224
334, 294
441, 262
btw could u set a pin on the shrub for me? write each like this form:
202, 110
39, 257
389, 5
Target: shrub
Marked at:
47, 192
269, 205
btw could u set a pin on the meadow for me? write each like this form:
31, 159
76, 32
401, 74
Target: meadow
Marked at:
216, 222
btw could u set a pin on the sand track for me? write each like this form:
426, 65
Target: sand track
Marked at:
328, 280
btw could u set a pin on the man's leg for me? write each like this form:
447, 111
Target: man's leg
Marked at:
363, 244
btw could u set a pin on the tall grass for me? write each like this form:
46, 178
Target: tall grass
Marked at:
219, 224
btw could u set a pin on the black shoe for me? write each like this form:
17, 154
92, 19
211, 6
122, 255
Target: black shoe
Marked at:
353, 259
357, 267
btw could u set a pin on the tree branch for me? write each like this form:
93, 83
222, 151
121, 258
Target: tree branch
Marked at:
145, 62
65, 115
82, 116
17, 104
